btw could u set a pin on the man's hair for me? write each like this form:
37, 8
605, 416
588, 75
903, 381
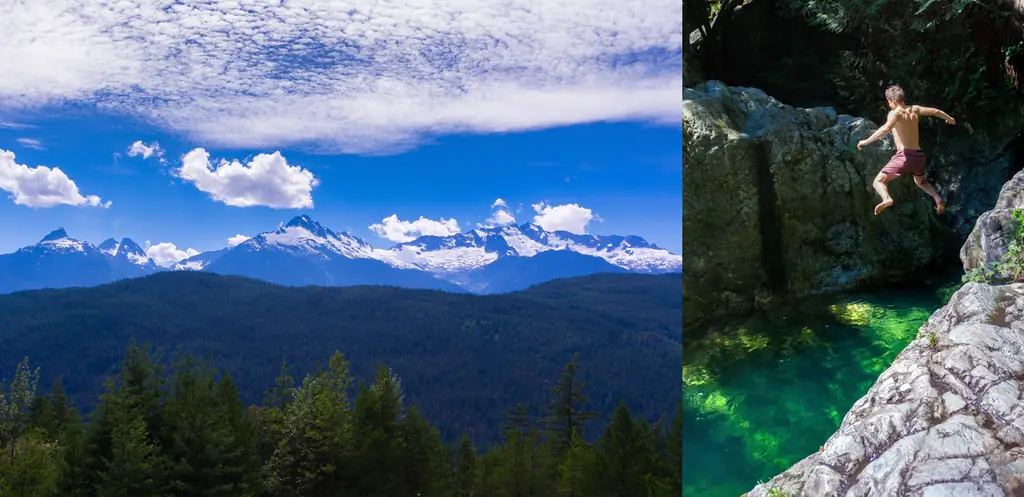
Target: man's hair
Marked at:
894, 93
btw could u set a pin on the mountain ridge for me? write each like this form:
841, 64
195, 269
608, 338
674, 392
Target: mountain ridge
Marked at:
474, 351
305, 252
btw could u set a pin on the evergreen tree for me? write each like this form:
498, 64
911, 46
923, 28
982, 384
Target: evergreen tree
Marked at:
519, 466
465, 467
423, 468
576, 469
675, 452
16, 407
620, 456
240, 453
135, 467
206, 458
32, 468
202, 441
565, 416
316, 435
376, 457
53, 414
136, 391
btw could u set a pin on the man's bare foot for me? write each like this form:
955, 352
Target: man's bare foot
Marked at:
881, 206
940, 207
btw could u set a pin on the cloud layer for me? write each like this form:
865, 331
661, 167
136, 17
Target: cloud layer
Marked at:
31, 143
166, 253
397, 230
41, 186
267, 180
500, 215
358, 76
235, 240
146, 151
567, 217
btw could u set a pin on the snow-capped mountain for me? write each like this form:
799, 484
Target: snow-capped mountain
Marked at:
57, 261
127, 259
199, 262
303, 252
480, 247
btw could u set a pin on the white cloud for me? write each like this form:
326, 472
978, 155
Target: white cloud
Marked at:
406, 231
14, 125
146, 151
266, 180
41, 186
235, 240
166, 253
566, 217
499, 217
31, 143
358, 76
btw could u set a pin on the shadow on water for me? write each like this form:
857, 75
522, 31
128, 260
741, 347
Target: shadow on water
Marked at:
760, 396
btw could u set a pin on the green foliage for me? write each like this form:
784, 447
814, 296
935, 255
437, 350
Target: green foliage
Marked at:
463, 359
935, 50
774, 492
1009, 268
194, 437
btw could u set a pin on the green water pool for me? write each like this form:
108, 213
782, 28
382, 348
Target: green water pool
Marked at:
762, 395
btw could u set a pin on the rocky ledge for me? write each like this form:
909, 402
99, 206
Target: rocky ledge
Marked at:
946, 419
995, 230
777, 203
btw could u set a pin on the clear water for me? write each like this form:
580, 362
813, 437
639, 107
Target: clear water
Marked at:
760, 396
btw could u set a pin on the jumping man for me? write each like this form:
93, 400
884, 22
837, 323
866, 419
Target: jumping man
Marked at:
909, 159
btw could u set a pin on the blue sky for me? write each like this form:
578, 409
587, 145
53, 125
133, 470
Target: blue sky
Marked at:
567, 115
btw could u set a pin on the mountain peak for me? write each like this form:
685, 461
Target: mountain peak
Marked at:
303, 221
56, 234
128, 246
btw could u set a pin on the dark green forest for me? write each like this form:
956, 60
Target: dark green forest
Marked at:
464, 360
184, 431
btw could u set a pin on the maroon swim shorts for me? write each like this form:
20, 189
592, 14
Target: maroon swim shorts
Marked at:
906, 161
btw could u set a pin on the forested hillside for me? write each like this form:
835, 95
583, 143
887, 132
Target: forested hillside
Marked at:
463, 359
189, 434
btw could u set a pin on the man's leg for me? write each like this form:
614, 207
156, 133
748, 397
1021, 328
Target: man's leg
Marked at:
923, 184
883, 192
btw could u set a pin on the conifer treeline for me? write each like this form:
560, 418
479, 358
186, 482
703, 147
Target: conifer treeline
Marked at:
188, 434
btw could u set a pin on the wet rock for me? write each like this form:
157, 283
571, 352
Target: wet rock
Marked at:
778, 203
945, 419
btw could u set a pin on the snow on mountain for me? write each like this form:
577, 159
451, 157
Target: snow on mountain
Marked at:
199, 262
128, 251
127, 259
109, 246
480, 247
59, 241
304, 236
305, 252
57, 261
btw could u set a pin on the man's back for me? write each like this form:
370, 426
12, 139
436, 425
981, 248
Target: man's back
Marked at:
905, 133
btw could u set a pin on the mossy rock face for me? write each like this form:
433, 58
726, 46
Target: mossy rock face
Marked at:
964, 57
777, 202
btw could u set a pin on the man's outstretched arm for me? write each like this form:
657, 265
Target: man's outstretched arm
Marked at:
880, 132
933, 112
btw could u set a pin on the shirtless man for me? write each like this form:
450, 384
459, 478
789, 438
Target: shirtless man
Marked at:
909, 159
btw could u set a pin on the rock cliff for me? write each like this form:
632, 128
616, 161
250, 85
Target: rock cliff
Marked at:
777, 203
994, 230
947, 417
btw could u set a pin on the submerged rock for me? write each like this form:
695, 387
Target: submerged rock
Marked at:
777, 202
995, 229
947, 417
